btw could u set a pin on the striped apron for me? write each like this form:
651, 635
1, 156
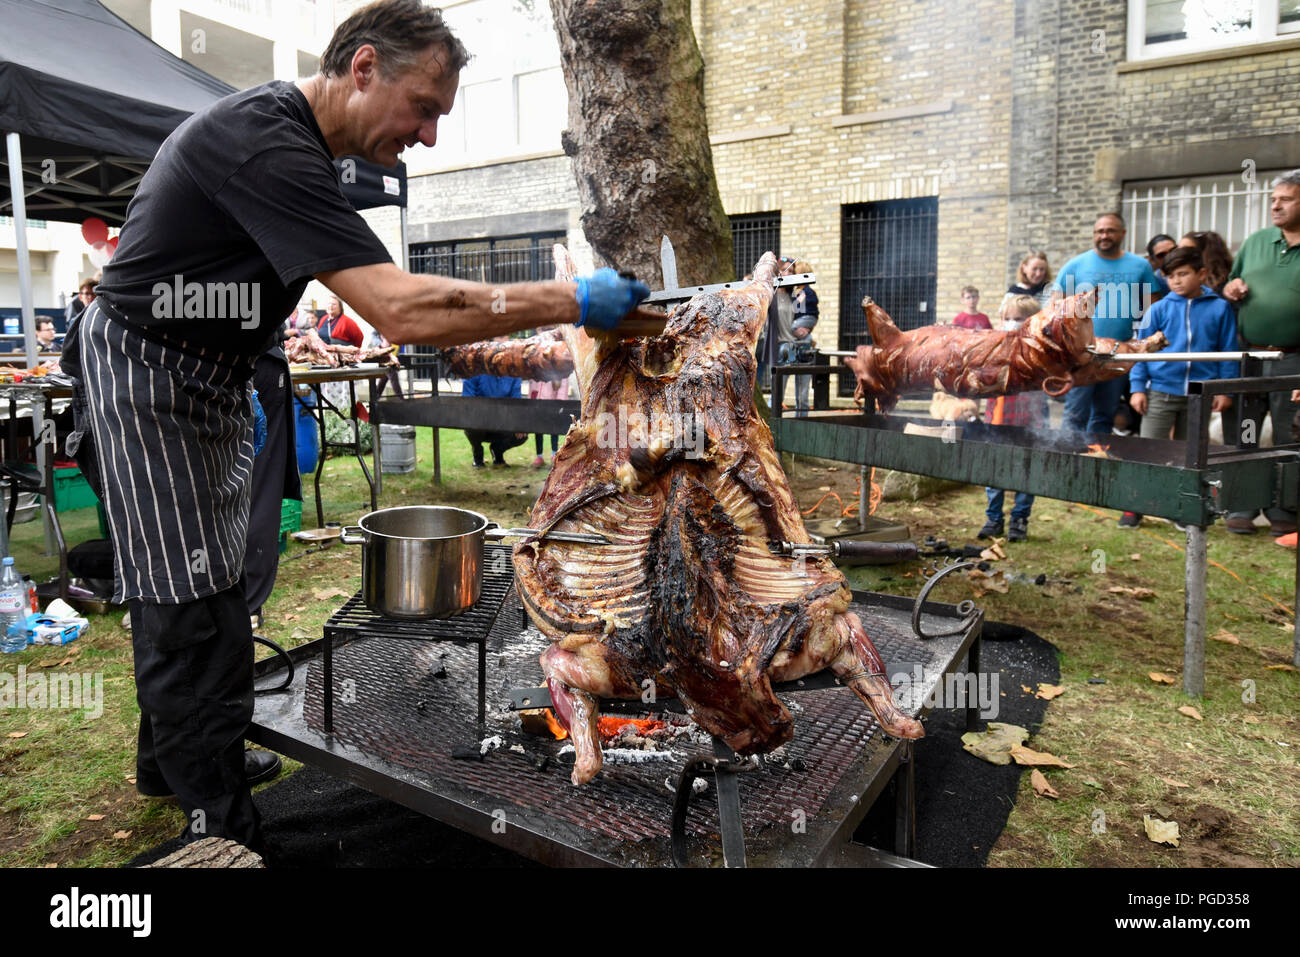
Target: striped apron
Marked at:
173, 438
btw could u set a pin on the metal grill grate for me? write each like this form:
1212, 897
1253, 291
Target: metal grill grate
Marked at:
753, 234
412, 703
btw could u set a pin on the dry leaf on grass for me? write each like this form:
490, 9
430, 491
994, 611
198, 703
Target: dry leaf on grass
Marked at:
121, 835
982, 583
95, 817
326, 594
1250, 719
993, 553
1175, 784
1279, 667
1141, 594
1042, 759
1191, 712
1122, 764
17, 734
1225, 636
291, 617
1040, 785
1160, 678
1160, 832
1048, 692
1026, 689
1135, 557
995, 743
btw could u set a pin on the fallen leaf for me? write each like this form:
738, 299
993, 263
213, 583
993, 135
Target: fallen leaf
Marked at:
1191, 712
130, 780
823, 488
17, 734
995, 743
95, 817
121, 835
1028, 756
1175, 784
1250, 719
1141, 594
993, 553
1135, 557
1093, 784
1160, 832
290, 617
982, 583
1160, 678
1039, 783
326, 594
1044, 518
1122, 764
1279, 667
1225, 636
301, 608
1048, 692
1026, 689
48, 866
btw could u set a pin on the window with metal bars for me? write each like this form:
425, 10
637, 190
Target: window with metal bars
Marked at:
889, 251
1234, 205
753, 234
495, 260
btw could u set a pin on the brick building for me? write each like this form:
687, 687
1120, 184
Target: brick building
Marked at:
905, 150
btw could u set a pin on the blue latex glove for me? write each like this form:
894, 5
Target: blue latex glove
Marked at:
259, 425
605, 297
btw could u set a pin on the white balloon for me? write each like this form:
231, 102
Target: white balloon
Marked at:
100, 254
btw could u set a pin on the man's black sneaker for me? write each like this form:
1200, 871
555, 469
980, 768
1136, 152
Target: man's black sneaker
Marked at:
1130, 520
1019, 530
991, 529
259, 767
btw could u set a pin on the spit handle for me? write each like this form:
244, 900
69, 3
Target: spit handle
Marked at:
883, 552
352, 535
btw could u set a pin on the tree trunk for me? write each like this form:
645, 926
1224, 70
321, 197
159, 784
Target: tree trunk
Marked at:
211, 852
639, 137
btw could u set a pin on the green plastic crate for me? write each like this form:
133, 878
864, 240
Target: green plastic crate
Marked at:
72, 491
290, 521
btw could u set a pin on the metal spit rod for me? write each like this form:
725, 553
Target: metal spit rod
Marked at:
1184, 356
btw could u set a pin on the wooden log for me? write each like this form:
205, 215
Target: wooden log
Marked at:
211, 852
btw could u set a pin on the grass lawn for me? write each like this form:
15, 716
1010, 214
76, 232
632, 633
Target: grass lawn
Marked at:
1231, 780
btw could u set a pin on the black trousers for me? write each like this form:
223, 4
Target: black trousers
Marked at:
194, 683
498, 442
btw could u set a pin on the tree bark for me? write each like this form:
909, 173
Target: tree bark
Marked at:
639, 138
211, 852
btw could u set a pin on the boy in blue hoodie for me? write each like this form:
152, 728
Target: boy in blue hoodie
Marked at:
1194, 319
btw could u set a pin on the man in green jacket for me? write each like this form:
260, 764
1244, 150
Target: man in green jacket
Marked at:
1265, 285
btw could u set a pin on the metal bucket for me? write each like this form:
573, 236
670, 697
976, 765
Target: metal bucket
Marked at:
419, 561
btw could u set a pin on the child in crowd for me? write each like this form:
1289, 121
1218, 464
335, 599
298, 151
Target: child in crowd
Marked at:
970, 317
1028, 409
1194, 319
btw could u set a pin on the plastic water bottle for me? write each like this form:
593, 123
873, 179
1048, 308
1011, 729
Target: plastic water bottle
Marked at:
13, 608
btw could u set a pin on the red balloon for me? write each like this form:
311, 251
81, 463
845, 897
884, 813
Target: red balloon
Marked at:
94, 230
113, 243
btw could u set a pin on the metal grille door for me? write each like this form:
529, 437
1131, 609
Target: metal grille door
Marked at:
888, 251
752, 235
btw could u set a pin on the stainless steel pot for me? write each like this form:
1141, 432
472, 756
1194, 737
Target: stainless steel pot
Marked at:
419, 561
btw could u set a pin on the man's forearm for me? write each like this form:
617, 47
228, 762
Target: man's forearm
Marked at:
446, 312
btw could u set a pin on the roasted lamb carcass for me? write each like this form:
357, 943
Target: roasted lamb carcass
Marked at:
544, 356
671, 462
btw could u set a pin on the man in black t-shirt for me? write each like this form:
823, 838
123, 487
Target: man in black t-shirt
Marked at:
239, 210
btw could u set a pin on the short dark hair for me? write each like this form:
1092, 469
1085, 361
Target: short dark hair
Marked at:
87, 282
1112, 216
44, 321
966, 289
1183, 256
401, 31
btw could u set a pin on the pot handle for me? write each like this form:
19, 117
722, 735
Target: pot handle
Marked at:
352, 535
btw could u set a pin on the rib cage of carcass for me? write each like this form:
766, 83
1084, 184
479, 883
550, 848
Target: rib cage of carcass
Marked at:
673, 464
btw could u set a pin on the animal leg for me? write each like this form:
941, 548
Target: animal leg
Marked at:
860, 667
568, 676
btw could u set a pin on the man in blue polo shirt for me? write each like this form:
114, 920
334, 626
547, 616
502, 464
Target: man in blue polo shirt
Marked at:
1126, 285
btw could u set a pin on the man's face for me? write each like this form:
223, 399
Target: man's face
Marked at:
1107, 235
394, 114
87, 296
1160, 250
45, 332
1286, 206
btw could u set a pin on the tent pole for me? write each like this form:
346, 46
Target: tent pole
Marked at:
13, 143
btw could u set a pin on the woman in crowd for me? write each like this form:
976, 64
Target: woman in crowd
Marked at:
1215, 255
1033, 278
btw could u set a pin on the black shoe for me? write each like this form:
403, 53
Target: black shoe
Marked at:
261, 766
991, 529
1130, 520
1019, 530
479, 465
